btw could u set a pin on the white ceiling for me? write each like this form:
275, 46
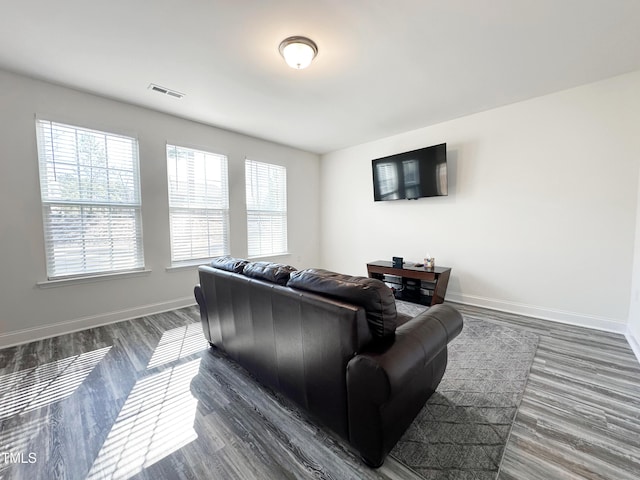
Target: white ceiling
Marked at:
383, 67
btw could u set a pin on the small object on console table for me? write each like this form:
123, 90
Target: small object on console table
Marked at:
429, 261
427, 286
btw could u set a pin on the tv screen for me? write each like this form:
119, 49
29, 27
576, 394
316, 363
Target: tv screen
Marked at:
411, 175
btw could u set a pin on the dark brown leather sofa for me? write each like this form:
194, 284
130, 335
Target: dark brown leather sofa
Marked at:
329, 342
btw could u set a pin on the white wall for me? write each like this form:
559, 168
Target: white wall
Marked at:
27, 311
633, 330
540, 217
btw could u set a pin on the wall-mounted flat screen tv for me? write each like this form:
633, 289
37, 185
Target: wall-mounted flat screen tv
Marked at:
410, 175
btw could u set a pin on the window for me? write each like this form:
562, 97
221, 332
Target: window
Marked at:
198, 204
90, 186
266, 187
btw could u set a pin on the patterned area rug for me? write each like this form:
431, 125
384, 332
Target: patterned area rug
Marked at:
461, 432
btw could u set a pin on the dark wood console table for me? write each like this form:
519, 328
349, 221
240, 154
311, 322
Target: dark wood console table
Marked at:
427, 286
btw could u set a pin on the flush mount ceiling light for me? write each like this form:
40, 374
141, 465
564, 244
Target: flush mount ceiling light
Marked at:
298, 51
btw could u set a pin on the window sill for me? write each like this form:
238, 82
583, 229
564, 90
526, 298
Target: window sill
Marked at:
186, 266
63, 282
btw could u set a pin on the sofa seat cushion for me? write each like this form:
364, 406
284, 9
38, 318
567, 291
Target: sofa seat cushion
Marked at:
369, 293
230, 264
270, 272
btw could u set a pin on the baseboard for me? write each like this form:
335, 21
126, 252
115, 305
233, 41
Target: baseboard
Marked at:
38, 333
634, 343
561, 316
53, 330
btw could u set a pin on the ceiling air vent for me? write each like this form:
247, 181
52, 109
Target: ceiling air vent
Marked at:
165, 91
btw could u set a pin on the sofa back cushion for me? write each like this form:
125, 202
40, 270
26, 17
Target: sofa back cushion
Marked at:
369, 293
230, 264
271, 272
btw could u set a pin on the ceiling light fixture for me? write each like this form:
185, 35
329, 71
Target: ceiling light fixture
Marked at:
298, 51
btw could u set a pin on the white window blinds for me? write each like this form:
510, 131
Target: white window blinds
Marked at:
266, 189
89, 181
198, 204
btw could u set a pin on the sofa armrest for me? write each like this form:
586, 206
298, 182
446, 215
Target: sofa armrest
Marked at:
204, 317
385, 370
389, 384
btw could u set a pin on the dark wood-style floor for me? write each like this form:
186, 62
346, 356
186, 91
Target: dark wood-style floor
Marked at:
580, 412
147, 398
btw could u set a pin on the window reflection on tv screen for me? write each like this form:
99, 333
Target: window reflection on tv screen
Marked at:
410, 175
